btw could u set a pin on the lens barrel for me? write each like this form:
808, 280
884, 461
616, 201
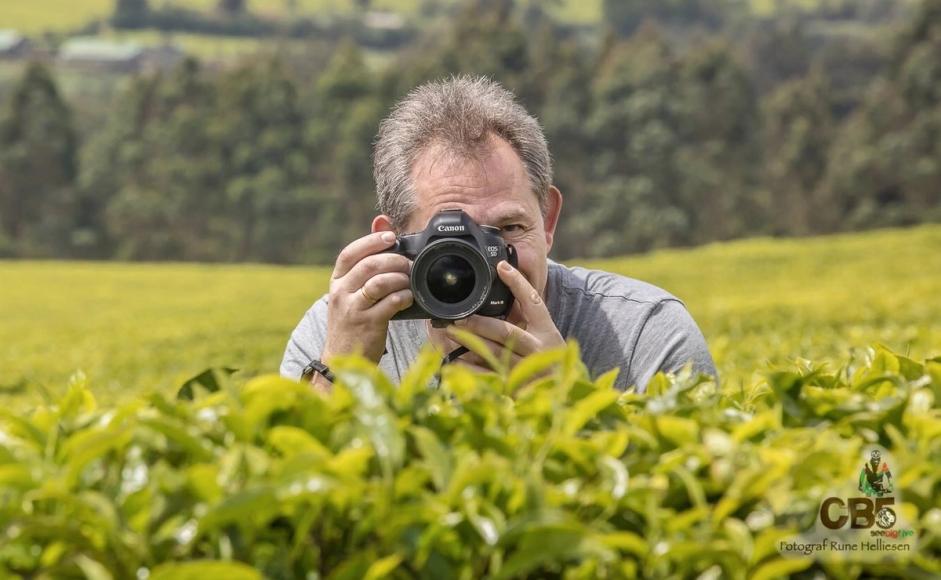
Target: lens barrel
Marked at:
450, 279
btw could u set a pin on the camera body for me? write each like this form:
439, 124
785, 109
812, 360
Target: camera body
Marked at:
454, 269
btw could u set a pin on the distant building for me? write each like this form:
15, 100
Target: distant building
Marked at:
384, 21
13, 44
100, 54
162, 57
114, 56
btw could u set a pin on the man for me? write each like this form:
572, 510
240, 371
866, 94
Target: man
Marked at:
875, 478
466, 144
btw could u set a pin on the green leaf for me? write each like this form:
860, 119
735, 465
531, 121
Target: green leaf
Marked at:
376, 420
532, 365
383, 567
290, 441
587, 408
480, 348
678, 430
542, 545
436, 456
246, 508
16, 476
203, 569
418, 378
23, 429
615, 476
210, 380
625, 542
92, 569
203, 479
78, 399
186, 437
779, 567
86, 446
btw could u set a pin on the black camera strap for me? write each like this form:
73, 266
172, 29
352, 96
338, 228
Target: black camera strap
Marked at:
454, 354
448, 359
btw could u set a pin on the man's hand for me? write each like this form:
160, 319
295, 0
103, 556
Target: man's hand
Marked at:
367, 289
528, 328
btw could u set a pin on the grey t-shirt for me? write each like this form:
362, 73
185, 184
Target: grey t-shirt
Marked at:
617, 321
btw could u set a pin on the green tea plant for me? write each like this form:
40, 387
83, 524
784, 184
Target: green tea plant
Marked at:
532, 471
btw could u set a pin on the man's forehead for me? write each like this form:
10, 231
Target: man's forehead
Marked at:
493, 189
491, 214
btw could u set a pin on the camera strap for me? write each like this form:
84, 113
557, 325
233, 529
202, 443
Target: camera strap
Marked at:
449, 358
454, 354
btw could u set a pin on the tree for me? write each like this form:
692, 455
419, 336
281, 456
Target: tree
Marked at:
720, 147
38, 148
484, 37
343, 122
556, 88
233, 7
889, 151
798, 132
268, 195
130, 13
168, 199
627, 16
634, 130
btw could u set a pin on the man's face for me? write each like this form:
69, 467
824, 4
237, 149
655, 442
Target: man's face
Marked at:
493, 190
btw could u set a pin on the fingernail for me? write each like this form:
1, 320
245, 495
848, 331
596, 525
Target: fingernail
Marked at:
388, 237
505, 266
461, 322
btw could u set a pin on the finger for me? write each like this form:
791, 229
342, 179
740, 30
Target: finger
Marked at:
439, 339
391, 304
473, 366
508, 359
500, 332
359, 249
381, 285
371, 266
515, 315
532, 306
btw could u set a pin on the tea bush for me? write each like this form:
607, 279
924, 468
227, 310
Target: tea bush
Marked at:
534, 471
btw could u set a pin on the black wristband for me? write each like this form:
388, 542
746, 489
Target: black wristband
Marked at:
315, 366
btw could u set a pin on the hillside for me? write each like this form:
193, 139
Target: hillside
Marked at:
134, 327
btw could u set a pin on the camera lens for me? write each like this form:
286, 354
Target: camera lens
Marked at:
451, 279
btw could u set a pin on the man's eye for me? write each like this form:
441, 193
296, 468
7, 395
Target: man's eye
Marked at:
512, 228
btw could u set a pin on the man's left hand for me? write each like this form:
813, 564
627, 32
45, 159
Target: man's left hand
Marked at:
528, 328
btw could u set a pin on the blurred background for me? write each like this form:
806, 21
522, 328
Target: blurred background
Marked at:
232, 131
240, 130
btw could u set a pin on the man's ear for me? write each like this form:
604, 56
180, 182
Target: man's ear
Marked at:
553, 209
382, 223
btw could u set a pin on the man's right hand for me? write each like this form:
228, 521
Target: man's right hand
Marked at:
367, 289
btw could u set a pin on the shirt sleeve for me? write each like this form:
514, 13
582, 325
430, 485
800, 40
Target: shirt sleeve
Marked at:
667, 341
306, 342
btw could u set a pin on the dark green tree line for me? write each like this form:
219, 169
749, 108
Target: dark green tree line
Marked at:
38, 149
656, 142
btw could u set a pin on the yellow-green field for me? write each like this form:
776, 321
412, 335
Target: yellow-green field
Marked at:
36, 16
134, 327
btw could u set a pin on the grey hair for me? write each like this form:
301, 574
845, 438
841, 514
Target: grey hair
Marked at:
460, 114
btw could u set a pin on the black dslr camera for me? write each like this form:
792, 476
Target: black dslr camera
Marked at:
454, 269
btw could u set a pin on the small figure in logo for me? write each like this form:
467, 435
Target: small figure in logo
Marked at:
875, 480
885, 519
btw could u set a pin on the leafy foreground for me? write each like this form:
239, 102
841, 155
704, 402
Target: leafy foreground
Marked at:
535, 471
